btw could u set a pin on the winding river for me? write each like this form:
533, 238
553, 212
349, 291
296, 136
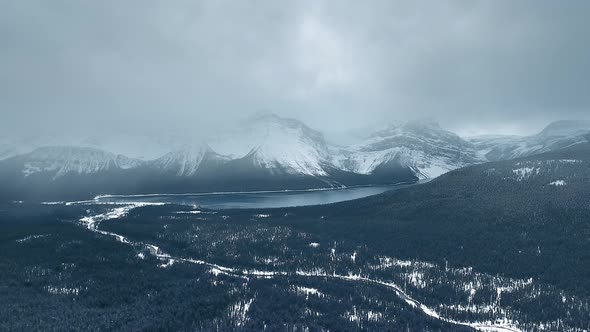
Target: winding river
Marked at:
92, 222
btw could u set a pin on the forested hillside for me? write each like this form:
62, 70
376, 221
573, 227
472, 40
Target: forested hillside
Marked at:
528, 217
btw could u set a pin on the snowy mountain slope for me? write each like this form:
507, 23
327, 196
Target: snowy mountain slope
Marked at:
94, 154
187, 160
282, 146
58, 161
267, 141
557, 135
275, 143
265, 152
424, 147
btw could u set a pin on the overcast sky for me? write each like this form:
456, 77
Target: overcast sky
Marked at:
475, 66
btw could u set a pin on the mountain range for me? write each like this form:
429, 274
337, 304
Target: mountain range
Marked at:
265, 152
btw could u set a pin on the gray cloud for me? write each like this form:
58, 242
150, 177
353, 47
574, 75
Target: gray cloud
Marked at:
476, 66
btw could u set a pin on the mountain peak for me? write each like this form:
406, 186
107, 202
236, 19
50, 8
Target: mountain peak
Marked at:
187, 160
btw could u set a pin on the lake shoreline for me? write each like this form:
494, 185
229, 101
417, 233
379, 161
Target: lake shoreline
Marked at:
97, 198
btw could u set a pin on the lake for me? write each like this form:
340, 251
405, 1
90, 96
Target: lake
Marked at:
255, 200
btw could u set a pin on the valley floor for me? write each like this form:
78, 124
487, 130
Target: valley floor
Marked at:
153, 266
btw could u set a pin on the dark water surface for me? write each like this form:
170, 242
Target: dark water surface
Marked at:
255, 200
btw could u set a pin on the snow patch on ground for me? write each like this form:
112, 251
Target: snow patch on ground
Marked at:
524, 173
356, 315
190, 212
63, 290
238, 312
167, 264
307, 291
31, 238
416, 279
116, 213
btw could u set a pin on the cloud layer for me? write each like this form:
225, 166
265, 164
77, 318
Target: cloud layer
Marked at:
475, 66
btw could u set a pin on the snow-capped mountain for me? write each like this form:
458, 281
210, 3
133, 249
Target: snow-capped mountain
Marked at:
274, 145
265, 152
58, 161
557, 135
265, 141
278, 145
422, 146
187, 160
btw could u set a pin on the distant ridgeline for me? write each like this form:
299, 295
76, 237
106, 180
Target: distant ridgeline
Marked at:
267, 152
213, 176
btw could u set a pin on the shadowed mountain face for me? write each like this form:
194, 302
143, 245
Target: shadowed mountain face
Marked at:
265, 152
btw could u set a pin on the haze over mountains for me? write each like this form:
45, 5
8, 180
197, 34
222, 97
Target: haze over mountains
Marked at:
265, 152
559, 134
